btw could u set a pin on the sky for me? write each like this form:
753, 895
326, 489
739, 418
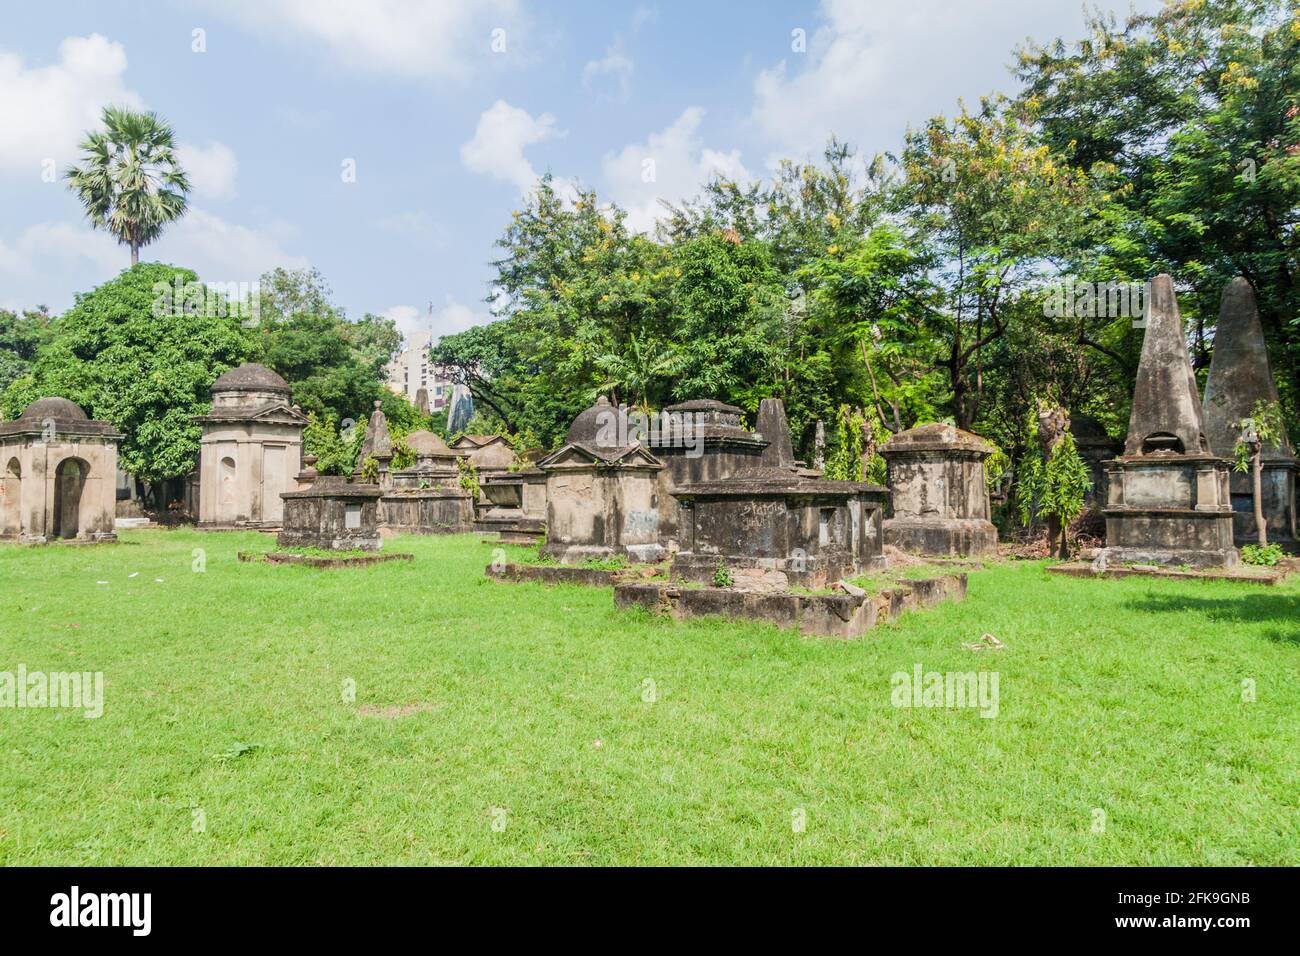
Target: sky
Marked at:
387, 142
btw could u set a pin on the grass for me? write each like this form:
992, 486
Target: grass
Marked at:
606, 737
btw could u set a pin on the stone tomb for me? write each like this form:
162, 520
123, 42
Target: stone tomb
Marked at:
250, 451
701, 440
939, 500
333, 514
58, 475
1239, 378
426, 498
516, 508
601, 495
490, 454
1167, 495
772, 527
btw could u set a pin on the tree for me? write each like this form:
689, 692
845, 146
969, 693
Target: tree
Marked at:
1263, 429
1054, 479
130, 180
20, 338
146, 367
334, 366
1192, 116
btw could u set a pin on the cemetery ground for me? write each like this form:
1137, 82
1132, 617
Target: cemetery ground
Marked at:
525, 724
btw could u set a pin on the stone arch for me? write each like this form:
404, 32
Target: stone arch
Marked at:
11, 497
69, 491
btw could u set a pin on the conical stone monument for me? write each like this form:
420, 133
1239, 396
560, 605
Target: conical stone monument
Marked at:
1167, 495
1239, 379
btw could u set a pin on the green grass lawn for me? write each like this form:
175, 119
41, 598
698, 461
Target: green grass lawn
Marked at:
479, 702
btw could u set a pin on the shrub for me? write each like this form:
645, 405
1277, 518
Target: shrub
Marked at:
1265, 555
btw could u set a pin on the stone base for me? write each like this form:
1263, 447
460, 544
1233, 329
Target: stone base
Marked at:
237, 525
772, 574
1170, 537
308, 539
98, 537
578, 553
950, 537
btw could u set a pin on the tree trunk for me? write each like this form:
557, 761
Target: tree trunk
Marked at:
1257, 461
135, 253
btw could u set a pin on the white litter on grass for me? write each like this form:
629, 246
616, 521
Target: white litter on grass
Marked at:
987, 642
157, 581
101, 582
134, 574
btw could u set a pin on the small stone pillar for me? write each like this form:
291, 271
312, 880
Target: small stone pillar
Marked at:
939, 502
333, 514
377, 444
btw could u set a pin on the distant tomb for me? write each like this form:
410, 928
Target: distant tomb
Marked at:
939, 499
601, 493
1240, 378
250, 451
58, 475
426, 498
771, 526
1167, 495
333, 514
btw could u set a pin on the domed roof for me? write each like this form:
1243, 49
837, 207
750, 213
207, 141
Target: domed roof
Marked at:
56, 408
591, 423
424, 442
250, 377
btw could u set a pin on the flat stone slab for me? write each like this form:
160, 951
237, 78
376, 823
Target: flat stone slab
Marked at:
564, 574
321, 561
1248, 574
824, 615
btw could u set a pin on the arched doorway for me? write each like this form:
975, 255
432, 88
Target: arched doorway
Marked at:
69, 483
11, 498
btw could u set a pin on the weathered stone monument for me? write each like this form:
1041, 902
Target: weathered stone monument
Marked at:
426, 498
601, 494
939, 500
490, 454
333, 514
377, 445
59, 475
1096, 448
516, 505
1167, 495
1240, 378
699, 440
772, 526
250, 451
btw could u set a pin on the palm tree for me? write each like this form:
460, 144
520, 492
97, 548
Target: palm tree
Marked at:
130, 181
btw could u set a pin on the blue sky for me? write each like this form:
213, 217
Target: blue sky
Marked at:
449, 110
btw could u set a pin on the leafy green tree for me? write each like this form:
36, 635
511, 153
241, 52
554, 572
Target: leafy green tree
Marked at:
20, 338
334, 366
1192, 116
146, 367
130, 180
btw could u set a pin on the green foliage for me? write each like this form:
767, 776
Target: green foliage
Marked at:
1264, 428
145, 369
468, 476
722, 576
334, 365
336, 451
995, 468
20, 337
844, 463
369, 473
129, 180
1264, 555
1055, 487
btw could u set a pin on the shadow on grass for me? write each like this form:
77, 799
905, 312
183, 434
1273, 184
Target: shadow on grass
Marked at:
1251, 607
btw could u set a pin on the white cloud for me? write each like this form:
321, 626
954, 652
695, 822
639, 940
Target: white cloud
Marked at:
870, 70
48, 109
671, 165
419, 226
212, 169
450, 317
497, 147
62, 244
442, 40
610, 76
221, 251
